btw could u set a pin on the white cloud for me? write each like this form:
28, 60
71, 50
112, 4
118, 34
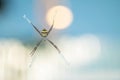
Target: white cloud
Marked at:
79, 51
82, 50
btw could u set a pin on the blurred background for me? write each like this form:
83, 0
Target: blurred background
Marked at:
86, 31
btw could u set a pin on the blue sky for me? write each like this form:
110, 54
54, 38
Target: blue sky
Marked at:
96, 16
99, 17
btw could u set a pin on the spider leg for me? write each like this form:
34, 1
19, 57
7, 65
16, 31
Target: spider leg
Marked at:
32, 24
52, 24
35, 48
58, 51
51, 27
54, 46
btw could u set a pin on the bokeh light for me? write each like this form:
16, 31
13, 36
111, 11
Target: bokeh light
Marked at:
61, 15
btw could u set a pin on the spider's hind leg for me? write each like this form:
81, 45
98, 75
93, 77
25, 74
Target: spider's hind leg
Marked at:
58, 51
35, 48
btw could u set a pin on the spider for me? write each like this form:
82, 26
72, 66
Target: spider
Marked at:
44, 33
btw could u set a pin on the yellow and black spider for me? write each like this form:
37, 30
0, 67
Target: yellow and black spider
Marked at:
44, 33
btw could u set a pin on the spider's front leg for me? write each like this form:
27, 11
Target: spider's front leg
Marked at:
28, 20
52, 24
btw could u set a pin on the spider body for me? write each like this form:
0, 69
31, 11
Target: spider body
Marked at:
44, 33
